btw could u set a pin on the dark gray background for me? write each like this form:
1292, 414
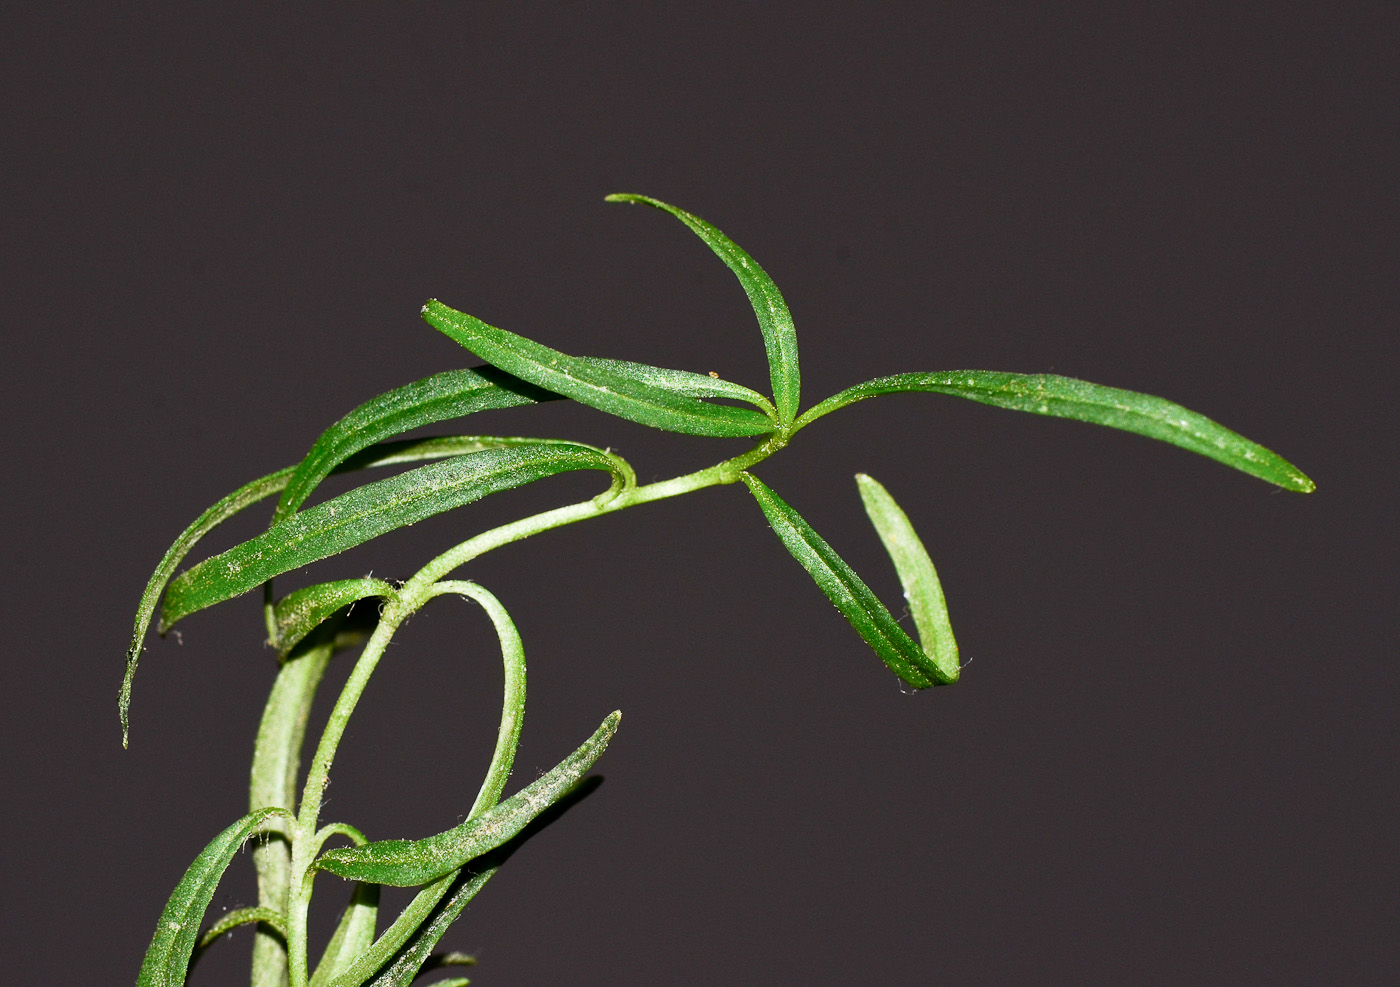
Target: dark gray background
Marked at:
1172, 755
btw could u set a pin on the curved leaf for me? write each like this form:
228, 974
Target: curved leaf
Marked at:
353, 935
244, 496
369, 511
450, 394
271, 922
406, 863
774, 319
383, 454
845, 589
168, 957
1066, 397
917, 575
299, 613
239, 917
654, 396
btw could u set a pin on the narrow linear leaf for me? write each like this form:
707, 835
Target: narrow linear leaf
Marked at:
299, 613
273, 925
402, 451
449, 895
406, 863
845, 589
371, 510
774, 319
1066, 397
663, 399
451, 394
353, 935
419, 949
168, 957
239, 917
410, 940
681, 382
384, 454
917, 575
244, 496
410, 921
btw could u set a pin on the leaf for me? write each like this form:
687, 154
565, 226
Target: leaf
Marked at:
404, 451
774, 319
270, 917
369, 511
353, 935
406, 863
242, 916
418, 950
654, 396
446, 898
384, 454
244, 496
392, 939
917, 575
168, 957
681, 382
299, 613
409, 942
845, 589
1066, 397
450, 394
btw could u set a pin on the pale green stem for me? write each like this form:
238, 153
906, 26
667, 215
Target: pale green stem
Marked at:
276, 764
725, 472
304, 844
513, 704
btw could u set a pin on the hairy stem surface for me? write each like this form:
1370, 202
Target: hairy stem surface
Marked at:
276, 765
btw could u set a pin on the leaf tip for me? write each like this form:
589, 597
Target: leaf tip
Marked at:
133, 654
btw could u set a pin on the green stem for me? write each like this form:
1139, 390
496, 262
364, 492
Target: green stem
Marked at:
721, 473
304, 842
